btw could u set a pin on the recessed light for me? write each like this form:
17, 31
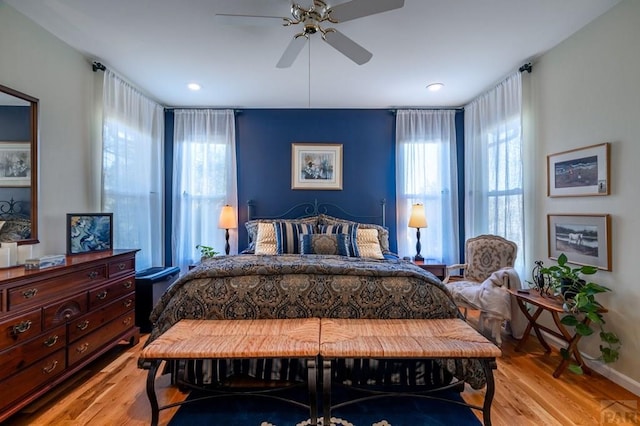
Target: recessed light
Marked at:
194, 86
435, 87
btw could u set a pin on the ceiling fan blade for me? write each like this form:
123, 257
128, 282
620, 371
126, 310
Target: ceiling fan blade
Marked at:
292, 51
358, 8
248, 20
347, 47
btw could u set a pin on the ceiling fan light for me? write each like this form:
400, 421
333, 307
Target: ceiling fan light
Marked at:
434, 87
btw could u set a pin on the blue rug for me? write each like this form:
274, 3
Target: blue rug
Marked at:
387, 411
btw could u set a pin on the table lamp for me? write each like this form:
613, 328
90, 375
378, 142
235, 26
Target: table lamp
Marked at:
418, 220
227, 221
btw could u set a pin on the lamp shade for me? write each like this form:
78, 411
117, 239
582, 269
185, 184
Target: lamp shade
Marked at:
228, 218
418, 219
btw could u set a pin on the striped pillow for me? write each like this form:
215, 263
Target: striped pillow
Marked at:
288, 236
337, 244
349, 229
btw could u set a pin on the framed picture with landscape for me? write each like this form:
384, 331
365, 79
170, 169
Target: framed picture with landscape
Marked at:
89, 232
316, 166
579, 172
584, 238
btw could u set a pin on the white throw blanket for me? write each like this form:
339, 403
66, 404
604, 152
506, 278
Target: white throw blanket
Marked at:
492, 298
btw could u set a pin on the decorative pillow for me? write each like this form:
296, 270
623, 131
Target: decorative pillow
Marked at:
368, 244
266, 239
288, 236
383, 232
349, 229
337, 244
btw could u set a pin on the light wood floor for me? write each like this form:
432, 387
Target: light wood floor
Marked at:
112, 392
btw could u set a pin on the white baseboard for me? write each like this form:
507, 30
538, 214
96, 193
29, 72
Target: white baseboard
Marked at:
599, 367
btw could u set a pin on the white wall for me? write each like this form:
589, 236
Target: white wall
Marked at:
34, 62
587, 91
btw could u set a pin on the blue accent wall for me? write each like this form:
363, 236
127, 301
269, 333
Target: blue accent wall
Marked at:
263, 148
15, 123
264, 139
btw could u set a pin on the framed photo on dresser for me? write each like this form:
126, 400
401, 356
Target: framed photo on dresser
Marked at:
89, 232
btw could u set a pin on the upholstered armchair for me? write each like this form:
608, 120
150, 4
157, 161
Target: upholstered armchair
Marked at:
486, 275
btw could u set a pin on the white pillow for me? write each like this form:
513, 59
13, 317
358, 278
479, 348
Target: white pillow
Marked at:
266, 239
368, 244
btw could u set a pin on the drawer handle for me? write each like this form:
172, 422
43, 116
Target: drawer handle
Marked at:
126, 321
82, 348
51, 341
28, 294
22, 327
92, 275
102, 295
121, 266
127, 284
127, 303
47, 370
83, 325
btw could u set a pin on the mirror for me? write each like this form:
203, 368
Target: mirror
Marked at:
18, 167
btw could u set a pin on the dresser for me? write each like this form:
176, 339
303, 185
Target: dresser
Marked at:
54, 321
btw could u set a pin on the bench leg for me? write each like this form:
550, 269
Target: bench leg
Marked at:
488, 365
312, 383
326, 392
152, 366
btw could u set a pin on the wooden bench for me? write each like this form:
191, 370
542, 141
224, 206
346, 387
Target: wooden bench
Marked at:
403, 338
234, 339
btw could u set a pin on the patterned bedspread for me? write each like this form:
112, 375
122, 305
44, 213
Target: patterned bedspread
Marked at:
298, 286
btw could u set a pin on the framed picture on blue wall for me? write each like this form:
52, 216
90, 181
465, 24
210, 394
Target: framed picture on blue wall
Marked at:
89, 232
316, 166
15, 163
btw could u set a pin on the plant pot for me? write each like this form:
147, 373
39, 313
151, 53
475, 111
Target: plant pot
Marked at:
569, 288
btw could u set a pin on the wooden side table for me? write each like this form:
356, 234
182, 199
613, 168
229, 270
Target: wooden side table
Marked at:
553, 305
437, 269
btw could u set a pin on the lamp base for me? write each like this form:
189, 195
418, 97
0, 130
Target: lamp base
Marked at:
418, 257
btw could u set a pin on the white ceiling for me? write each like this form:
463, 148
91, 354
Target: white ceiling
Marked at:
161, 45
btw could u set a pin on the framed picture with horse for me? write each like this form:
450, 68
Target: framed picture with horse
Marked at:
584, 238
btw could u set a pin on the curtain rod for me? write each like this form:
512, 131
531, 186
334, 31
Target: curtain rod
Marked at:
98, 66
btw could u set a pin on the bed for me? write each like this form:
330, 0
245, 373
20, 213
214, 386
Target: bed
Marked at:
15, 221
301, 278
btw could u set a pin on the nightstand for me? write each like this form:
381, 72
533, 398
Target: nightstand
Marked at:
437, 269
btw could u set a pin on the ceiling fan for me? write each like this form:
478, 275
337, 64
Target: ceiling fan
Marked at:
315, 16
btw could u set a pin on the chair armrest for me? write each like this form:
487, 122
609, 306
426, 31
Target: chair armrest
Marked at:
450, 268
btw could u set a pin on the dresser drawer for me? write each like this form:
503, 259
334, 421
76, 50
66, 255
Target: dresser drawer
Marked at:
20, 329
61, 312
106, 294
31, 378
122, 267
90, 343
92, 321
15, 359
41, 291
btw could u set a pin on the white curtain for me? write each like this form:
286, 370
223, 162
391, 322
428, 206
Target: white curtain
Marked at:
493, 165
132, 173
204, 180
426, 172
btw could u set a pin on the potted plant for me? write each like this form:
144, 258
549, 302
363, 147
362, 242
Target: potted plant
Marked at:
206, 251
579, 301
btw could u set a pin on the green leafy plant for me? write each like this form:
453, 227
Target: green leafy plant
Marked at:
580, 301
206, 251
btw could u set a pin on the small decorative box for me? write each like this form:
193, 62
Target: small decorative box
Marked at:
45, 261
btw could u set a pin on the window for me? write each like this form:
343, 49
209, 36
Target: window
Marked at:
132, 170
